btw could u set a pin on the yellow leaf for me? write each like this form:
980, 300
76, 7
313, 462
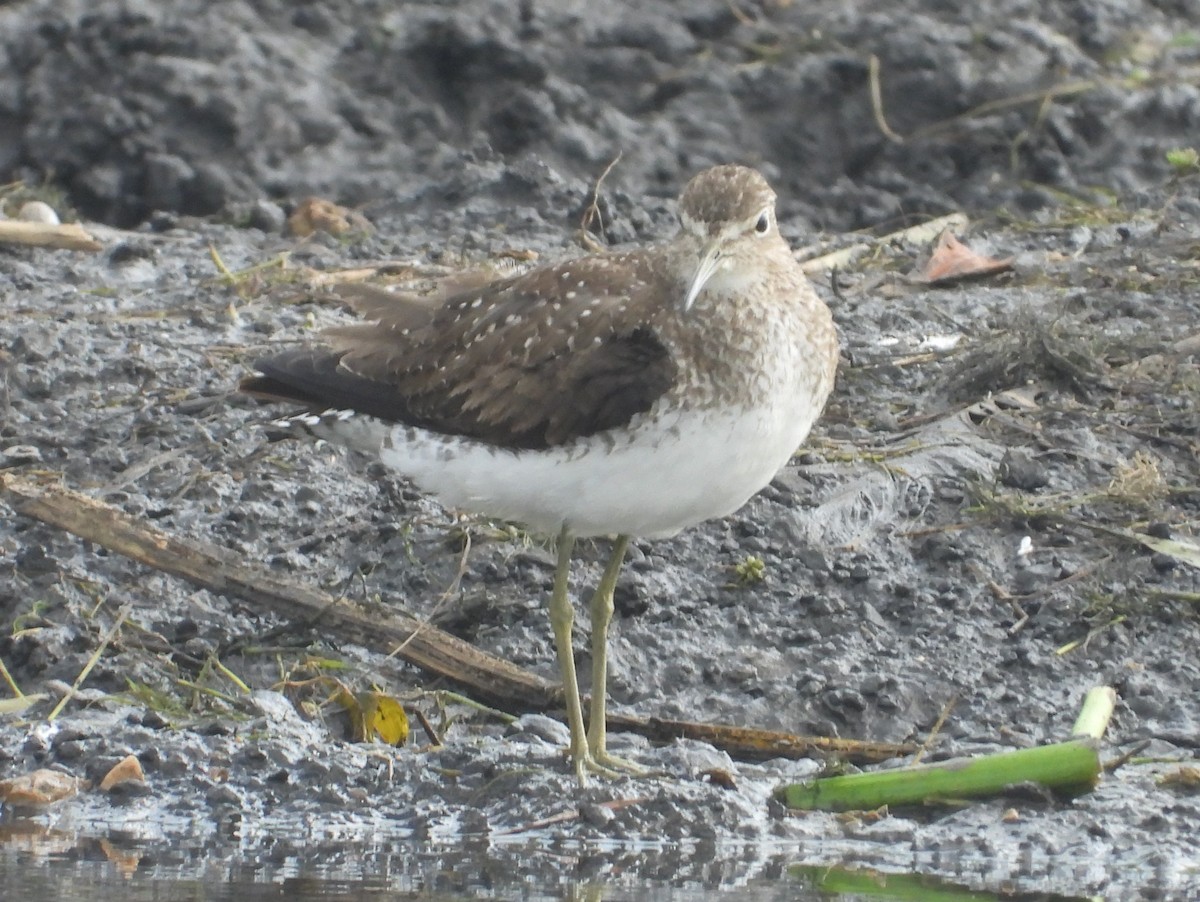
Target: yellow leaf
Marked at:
382, 716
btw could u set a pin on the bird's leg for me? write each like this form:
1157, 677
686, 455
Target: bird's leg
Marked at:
562, 615
602, 611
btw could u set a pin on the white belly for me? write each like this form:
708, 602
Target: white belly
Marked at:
689, 466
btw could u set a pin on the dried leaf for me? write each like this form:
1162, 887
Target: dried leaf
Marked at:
39, 789
125, 770
317, 215
952, 260
1184, 777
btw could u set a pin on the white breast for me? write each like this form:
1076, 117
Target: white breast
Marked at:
685, 467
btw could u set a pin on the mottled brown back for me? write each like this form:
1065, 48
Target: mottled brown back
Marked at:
528, 362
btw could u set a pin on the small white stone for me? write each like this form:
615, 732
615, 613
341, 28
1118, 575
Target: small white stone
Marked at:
36, 211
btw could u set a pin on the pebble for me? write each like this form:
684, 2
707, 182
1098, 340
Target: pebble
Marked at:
596, 815
1020, 471
267, 216
1163, 562
21, 454
546, 728
224, 795
36, 211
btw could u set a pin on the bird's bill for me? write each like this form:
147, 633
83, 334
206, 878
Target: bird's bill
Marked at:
710, 260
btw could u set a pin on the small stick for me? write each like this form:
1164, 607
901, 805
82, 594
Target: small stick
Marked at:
920, 234
12, 684
937, 728
1122, 760
593, 209
69, 236
445, 596
430, 732
877, 101
230, 675
87, 668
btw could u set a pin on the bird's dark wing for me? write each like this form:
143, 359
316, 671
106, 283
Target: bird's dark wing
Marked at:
528, 362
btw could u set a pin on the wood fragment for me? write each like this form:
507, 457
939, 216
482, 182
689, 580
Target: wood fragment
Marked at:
70, 236
920, 234
216, 569
752, 744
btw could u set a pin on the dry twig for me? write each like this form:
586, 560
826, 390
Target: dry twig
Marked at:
69, 236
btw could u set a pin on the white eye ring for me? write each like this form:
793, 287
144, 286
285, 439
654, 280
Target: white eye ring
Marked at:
764, 223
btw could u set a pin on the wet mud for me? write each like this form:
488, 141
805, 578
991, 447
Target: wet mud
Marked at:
961, 531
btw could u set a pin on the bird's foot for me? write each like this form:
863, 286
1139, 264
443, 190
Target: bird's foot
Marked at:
616, 764
586, 765
600, 762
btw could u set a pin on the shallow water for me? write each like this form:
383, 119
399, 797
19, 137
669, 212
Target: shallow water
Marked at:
46, 865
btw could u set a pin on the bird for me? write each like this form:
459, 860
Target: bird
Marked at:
626, 393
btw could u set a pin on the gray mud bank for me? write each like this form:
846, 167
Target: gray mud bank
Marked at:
956, 530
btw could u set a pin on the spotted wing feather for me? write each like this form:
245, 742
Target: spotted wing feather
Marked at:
515, 363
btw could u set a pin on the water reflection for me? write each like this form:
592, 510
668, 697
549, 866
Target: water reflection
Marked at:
39, 862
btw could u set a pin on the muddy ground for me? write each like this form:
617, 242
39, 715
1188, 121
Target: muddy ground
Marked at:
1057, 402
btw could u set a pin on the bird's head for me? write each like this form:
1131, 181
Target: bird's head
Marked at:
729, 212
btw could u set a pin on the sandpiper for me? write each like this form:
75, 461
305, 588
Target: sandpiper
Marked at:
622, 394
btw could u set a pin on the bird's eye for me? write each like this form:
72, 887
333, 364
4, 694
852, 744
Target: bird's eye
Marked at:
763, 225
